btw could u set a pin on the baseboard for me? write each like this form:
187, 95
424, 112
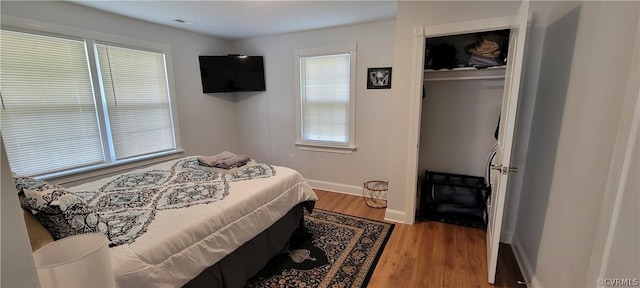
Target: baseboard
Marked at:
395, 215
535, 283
389, 214
335, 187
524, 263
506, 237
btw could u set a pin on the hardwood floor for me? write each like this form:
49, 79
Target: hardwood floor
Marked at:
428, 254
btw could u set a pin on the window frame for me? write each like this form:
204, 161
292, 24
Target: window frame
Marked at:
322, 146
92, 38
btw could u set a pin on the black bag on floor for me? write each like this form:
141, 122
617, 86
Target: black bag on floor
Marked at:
454, 198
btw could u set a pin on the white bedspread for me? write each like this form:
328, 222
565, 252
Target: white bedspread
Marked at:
180, 243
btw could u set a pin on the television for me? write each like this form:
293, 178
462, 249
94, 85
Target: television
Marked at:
232, 73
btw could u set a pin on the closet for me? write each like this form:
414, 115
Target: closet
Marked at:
454, 114
460, 111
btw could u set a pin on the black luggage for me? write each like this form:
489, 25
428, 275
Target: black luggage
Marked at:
454, 198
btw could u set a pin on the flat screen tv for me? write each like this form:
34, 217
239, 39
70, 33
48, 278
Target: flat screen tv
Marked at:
232, 73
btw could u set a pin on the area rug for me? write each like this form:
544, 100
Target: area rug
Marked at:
338, 251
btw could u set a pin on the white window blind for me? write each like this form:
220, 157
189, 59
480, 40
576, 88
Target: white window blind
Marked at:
325, 98
49, 120
136, 92
71, 104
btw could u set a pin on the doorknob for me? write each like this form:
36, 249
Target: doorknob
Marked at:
504, 169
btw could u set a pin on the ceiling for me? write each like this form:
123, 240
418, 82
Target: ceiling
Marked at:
237, 19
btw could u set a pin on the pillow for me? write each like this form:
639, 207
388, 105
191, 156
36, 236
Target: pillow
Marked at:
60, 211
71, 216
63, 213
23, 182
30, 183
39, 200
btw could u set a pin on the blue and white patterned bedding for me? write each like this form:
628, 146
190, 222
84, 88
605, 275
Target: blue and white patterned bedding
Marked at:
170, 221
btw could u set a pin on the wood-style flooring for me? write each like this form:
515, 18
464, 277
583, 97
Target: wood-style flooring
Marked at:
428, 254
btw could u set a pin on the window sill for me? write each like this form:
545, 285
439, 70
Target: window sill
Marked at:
326, 148
76, 176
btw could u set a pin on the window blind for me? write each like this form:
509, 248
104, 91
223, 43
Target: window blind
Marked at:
137, 96
48, 114
324, 93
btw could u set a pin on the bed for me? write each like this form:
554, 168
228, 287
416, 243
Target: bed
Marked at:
178, 223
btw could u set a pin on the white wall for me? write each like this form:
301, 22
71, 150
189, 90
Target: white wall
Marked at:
266, 120
459, 119
17, 268
624, 258
206, 122
618, 256
580, 97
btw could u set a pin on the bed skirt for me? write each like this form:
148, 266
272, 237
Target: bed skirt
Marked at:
234, 270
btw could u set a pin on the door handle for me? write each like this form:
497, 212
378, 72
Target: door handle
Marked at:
503, 169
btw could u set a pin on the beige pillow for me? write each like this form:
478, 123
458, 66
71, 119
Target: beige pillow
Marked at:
38, 235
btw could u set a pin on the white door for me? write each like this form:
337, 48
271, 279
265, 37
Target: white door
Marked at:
500, 174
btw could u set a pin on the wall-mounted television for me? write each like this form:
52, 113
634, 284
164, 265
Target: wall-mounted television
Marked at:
232, 73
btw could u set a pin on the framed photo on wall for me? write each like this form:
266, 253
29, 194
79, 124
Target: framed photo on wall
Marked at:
379, 78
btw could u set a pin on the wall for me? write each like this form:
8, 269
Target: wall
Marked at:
618, 256
624, 260
206, 122
415, 14
17, 268
458, 123
266, 120
580, 96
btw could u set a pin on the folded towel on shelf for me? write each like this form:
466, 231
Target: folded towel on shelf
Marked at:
225, 160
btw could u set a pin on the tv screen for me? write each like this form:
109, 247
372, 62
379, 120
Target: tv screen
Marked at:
232, 73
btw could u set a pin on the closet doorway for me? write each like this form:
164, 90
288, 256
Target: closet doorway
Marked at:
517, 26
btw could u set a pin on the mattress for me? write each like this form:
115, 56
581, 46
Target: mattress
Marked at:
184, 239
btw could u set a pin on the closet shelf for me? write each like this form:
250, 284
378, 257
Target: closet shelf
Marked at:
465, 73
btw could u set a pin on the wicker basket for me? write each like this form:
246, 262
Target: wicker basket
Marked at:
375, 193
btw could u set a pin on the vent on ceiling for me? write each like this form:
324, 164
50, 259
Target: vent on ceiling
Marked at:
184, 21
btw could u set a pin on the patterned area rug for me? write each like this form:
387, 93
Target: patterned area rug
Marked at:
340, 251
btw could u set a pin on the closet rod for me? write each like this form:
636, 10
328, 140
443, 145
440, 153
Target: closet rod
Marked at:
464, 78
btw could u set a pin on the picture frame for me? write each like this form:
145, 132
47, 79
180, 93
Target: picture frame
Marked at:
379, 78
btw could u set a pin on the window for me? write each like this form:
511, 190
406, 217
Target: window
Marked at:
71, 103
137, 97
325, 98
